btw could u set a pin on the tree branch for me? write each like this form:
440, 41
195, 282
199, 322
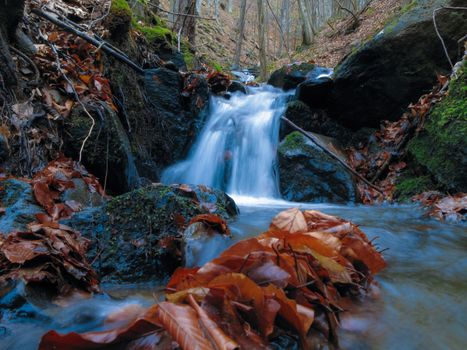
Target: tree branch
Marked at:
100, 44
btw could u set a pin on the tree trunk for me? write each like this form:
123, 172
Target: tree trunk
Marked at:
11, 13
262, 41
285, 13
305, 16
241, 31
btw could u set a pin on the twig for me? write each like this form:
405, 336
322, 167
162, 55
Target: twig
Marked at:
317, 143
98, 43
439, 34
59, 67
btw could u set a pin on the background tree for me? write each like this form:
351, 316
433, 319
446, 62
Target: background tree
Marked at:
263, 62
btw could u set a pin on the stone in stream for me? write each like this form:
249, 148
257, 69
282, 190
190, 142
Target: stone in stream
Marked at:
317, 87
393, 69
308, 174
138, 236
290, 76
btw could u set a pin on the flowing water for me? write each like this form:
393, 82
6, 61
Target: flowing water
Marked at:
236, 150
421, 302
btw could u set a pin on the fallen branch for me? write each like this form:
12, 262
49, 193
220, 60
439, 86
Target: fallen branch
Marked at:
317, 143
100, 44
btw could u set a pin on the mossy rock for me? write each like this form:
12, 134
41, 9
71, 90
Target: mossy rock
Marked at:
442, 147
137, 236
119, 20
308, 174
410, 186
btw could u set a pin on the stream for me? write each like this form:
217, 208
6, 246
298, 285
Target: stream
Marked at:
420, 302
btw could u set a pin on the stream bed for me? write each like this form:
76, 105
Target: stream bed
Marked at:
421, 301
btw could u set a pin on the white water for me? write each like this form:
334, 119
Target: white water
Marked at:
236, 151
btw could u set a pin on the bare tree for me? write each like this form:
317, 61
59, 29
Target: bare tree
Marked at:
262, 40
241, 32
305, 16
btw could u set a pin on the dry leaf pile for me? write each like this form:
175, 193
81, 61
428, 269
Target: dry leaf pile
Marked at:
56, 178
291, 280
49, 255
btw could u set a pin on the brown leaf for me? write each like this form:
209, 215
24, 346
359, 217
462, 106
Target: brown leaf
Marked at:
182, 323
291, 220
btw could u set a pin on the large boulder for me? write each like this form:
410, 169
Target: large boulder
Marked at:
138, 236
288, 77
314, 120
107, 152
308, 174
441, 148
379, 80
181, 105
316, 89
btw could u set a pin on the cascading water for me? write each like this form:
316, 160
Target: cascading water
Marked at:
236, 151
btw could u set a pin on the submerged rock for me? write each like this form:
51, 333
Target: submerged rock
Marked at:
237, 86
288, 77
138, 236
379, 80
308, 174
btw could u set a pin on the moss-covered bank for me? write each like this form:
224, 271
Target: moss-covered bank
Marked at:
442, 146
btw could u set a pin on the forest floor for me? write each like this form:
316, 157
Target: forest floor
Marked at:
332, 43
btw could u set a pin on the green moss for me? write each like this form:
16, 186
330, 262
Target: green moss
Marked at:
154, 33
188, 56
120, 8
411, 186
292, 141
442, 147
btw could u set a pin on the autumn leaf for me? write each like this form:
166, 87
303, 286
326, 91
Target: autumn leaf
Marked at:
182, 323
291, 220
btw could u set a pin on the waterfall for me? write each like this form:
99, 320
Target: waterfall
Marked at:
236, 150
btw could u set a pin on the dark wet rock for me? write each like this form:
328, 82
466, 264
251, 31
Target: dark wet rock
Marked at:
4, 148
307, 174
182, 107
107, 153
168, 53
171, 66
18, 199
290, 76
314, 120
316, 89
138, 236
237, 86
379, 80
